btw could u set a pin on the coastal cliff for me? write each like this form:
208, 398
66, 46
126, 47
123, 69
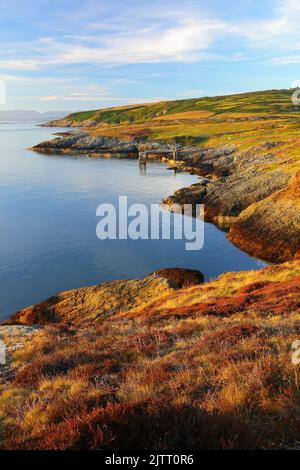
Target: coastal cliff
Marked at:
258, 202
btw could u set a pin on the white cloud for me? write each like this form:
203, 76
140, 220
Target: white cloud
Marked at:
280, 31
286, 60
151, 36
19, 64
182, 42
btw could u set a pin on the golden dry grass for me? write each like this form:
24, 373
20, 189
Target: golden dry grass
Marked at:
208, 366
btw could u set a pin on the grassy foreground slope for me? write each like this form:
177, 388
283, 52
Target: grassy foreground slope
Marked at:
206, 366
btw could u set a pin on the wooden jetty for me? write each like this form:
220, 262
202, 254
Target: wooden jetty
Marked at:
143, 154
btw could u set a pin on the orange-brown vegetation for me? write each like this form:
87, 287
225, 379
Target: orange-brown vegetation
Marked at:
205, 366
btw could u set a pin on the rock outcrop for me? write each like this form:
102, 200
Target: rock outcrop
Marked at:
271, 228
260, 205
92, 304
83, 143
180, 278
13, 338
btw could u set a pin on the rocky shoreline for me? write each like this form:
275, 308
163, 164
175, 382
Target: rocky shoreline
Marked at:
259, 206
80, 142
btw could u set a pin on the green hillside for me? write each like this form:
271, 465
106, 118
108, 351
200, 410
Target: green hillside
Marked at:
270, 102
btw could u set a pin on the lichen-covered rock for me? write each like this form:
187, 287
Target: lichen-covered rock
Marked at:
12, 338
83, 142
259, 204
90, 304
271, 228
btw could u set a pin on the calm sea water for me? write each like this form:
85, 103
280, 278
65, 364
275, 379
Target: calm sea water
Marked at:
48, 221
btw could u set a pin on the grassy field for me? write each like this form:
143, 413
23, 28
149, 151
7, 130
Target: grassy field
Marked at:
270, 103
242, 120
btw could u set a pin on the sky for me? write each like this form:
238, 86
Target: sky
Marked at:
88, 54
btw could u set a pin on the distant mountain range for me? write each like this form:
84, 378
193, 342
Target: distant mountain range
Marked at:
19, 115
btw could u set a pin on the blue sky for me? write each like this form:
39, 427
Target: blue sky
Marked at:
86, 54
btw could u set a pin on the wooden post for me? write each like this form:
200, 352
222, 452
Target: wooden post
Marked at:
175, 153
142, 157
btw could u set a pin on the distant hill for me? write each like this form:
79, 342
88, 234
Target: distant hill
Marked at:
21, 115
271, 102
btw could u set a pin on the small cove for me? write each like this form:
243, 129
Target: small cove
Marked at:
48, 220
